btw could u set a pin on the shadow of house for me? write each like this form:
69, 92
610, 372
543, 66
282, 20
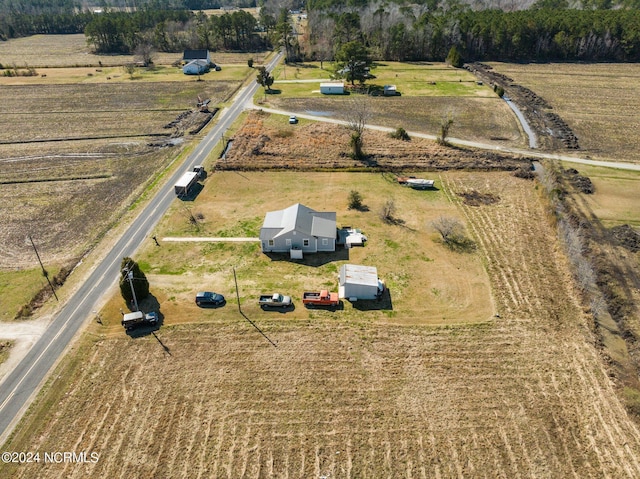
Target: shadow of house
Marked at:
314, 260
383, 303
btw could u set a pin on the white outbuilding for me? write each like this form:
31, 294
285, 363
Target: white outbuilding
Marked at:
359, 282
332, 88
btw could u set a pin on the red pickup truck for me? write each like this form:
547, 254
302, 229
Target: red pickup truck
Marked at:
320, 298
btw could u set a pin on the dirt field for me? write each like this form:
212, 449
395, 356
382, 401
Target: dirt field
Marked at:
525, 395
268, 142
598, 101
94, 166
40, 51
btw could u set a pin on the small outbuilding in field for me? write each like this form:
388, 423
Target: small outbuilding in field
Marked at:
332, 88
297, 230
359, 282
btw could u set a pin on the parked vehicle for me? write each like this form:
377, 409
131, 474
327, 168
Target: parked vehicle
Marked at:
200, 170
138, 318
185, 183
275, 300
207, 298
293, 120
416, 183
320, 298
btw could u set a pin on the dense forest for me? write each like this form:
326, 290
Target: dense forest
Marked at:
394, 32
389, 30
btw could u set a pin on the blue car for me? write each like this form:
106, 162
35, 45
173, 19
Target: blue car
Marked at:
207, 298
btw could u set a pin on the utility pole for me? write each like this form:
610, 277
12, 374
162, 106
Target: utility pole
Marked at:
129, 274
45, 273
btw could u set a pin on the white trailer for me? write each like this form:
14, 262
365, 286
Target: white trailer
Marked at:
185, 183
332, 88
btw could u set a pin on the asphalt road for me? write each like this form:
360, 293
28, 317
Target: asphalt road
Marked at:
19, 387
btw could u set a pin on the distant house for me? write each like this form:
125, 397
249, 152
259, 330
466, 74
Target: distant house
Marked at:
297, 230
190, 55
332, 88
196, 67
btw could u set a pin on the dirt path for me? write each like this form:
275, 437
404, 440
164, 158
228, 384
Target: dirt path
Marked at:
461, 142
24, 334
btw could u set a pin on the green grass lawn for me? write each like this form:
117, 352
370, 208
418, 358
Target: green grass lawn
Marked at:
411, 79
18, 287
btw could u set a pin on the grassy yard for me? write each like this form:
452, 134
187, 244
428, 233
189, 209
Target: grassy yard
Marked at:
428, 284
411, 79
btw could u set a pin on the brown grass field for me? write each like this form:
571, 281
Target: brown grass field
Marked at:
479, 364
49, 51
67, 192
523, 395
598, 101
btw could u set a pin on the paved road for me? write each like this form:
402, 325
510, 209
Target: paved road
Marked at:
19, 387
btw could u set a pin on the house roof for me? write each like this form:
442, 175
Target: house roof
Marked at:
359, 274
195, 55
303, 219
199, 62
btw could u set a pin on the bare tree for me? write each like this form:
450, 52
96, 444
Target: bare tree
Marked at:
130, 69
450, 229
446, 123
388, 211
357, 116
145, 54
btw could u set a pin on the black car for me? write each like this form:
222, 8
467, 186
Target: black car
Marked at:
207, 298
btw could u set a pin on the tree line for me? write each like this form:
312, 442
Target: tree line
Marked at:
422, 31
412, 33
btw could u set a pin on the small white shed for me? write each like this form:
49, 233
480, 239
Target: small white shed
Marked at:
333, 88
359, 282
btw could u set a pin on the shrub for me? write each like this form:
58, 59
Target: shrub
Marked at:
250, 62
355, 200
400, 134
499, 90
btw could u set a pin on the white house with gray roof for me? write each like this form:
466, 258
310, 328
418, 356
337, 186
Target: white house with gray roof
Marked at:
297, 230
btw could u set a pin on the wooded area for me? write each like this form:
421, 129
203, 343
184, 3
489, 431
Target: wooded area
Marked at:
421, 31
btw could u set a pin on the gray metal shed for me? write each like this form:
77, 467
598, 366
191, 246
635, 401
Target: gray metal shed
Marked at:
359, 282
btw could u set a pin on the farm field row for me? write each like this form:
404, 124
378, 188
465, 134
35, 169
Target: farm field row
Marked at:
55, 51
525, 394
598, 101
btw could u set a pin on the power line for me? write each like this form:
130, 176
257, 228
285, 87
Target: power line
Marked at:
45, 273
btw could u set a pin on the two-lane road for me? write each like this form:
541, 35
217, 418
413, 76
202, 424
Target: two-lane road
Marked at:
20, 386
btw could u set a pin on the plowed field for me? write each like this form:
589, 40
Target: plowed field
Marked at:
525, 395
